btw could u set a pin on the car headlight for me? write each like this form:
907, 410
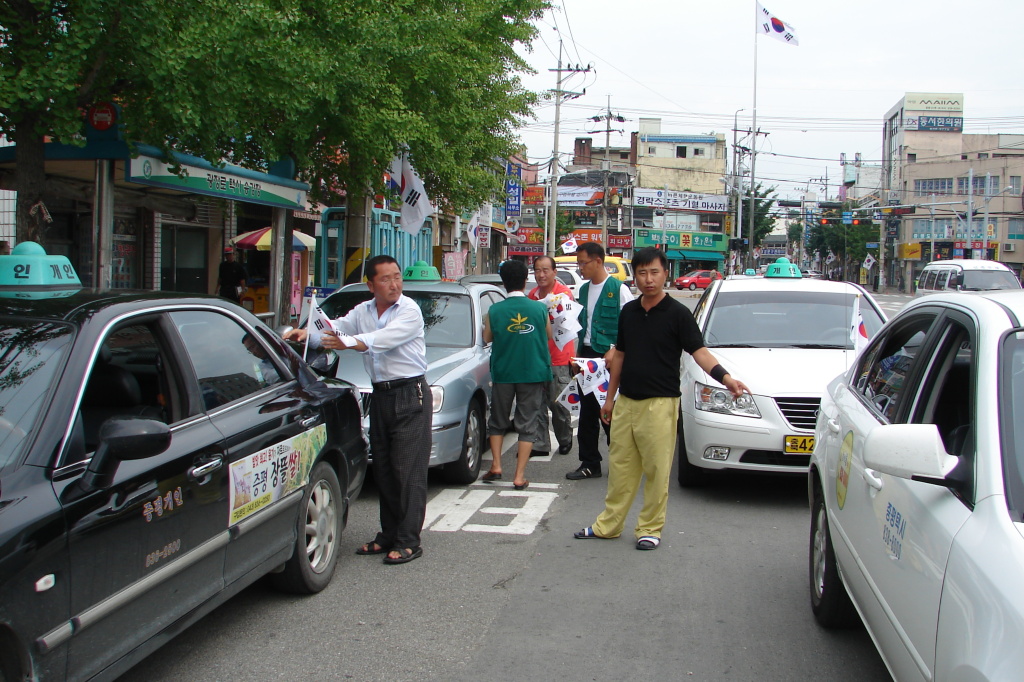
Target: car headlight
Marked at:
437, 392
720, 400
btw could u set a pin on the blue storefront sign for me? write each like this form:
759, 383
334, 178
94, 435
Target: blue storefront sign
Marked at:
513, 189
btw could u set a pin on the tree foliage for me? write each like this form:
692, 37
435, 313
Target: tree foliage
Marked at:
340, 87
764, 220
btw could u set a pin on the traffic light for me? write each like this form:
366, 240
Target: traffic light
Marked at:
738, 244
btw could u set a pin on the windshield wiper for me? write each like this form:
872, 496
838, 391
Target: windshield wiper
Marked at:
820, 345
731, 345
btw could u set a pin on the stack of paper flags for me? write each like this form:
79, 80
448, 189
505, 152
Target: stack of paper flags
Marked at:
564, 312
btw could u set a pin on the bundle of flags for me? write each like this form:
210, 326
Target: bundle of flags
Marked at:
415, 204
593, 378
564, 313
318, 322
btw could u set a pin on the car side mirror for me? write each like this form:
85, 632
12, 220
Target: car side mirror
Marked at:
121, 439
911, 451
322, 361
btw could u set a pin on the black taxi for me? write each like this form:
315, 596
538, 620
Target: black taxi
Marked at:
158, 453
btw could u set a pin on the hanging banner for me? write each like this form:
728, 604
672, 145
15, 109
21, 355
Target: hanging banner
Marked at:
688, 201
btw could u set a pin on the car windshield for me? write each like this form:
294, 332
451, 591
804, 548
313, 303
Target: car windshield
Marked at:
786, 319
447, 318
989, 280
1011, 417
32, 354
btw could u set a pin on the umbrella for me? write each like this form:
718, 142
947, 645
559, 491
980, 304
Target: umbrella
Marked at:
260, 240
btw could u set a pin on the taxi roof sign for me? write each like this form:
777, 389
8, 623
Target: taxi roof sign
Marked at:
29, 267
783, 269
421, 271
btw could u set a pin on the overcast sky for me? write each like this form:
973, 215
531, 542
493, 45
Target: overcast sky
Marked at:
692, 65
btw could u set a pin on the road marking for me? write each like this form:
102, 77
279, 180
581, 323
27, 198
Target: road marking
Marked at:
451, 510
508, 484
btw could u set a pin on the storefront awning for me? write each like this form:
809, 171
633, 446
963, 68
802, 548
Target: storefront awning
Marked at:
682, 254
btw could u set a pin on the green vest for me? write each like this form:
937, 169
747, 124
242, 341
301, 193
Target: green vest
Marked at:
606, 315
520, 353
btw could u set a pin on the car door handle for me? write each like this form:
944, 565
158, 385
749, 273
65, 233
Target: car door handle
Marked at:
309, 421
833, 426
872, 478
197, 473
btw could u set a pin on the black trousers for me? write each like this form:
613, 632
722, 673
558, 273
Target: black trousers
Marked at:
589, 429
400, 421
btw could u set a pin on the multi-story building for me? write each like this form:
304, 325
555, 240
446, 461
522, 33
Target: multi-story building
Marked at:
931, 166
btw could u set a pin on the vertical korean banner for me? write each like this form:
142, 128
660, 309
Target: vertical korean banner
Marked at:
513, 189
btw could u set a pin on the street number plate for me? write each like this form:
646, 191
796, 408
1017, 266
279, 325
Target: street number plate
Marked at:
799, 445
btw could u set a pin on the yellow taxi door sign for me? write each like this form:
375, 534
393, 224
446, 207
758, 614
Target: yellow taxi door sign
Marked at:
843, 475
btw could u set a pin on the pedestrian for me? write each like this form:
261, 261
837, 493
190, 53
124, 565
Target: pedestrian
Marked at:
230, 277
518, 329
652, 334
548, 284
601, 299
388, 330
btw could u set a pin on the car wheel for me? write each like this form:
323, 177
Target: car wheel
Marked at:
679, 286
320, 523
693, 286
688, 475
466, 468
829, 601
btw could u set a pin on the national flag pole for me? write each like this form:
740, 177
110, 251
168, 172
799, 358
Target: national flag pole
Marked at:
753, 152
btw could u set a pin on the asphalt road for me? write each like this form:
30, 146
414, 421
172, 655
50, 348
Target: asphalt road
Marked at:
504, 592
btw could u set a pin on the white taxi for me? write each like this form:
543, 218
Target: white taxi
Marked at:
784, 336
917, 491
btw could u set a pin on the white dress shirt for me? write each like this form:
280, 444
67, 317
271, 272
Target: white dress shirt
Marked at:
395, 343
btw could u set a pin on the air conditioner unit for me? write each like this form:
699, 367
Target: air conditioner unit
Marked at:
1009, 248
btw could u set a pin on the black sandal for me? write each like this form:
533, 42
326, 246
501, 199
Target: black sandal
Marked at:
368, 548
405, 555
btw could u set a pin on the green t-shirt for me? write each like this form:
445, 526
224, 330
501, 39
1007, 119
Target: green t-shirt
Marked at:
519, 354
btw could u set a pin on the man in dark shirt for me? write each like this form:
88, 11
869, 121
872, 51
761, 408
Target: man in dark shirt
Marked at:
654, 330
230, 277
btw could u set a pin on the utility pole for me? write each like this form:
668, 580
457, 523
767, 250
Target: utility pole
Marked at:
551, 222
753, 187
606, 168
737, 186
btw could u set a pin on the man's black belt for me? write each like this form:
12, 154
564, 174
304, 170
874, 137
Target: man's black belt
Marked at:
395, 383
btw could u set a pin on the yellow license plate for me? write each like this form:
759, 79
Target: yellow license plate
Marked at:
799, 445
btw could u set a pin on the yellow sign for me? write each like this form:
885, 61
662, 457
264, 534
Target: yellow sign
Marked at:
911, 251
843, 476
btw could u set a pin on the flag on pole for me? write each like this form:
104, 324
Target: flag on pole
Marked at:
869, 262
771, 25
858, 333
473, 230
317, 323
569, 246
831, 257
415, 204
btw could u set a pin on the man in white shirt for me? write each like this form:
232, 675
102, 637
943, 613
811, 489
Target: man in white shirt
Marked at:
388, 330
601, 298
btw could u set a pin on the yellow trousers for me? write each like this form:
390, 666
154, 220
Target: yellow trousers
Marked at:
643, 437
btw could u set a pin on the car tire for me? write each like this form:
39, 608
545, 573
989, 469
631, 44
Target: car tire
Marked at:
688, 475
693, 286
679, 287
829, 601
320, 524
466, 468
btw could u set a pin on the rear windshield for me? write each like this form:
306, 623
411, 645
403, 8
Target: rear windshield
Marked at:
786, 319
447, 318
989, 280
32, 355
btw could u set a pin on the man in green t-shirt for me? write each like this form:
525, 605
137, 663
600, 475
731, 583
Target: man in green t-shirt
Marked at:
518, 329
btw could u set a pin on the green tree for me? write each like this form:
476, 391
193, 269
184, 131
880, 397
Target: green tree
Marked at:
764, 220
339, 87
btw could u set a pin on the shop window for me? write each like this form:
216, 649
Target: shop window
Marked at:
681, 152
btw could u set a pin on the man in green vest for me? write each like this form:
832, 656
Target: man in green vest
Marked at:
601, 299
520, 370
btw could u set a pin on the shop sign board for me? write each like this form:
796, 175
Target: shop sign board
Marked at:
221, 183
682, 240
688, 201
513, 189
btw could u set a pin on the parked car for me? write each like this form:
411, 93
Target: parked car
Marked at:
617, 267
811, 274
697, 279
158, 453
458, 369
917, 490
783, 337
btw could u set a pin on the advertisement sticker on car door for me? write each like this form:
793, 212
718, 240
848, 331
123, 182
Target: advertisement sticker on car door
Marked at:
262, 478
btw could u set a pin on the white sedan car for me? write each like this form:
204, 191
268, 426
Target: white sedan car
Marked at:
917, 491
785, 339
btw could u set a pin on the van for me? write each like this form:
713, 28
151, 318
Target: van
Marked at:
619, 268
965, 275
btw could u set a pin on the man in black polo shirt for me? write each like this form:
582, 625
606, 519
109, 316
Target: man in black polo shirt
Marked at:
654, 330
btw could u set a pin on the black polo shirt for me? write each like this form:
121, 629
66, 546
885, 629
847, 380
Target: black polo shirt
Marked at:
653, 342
